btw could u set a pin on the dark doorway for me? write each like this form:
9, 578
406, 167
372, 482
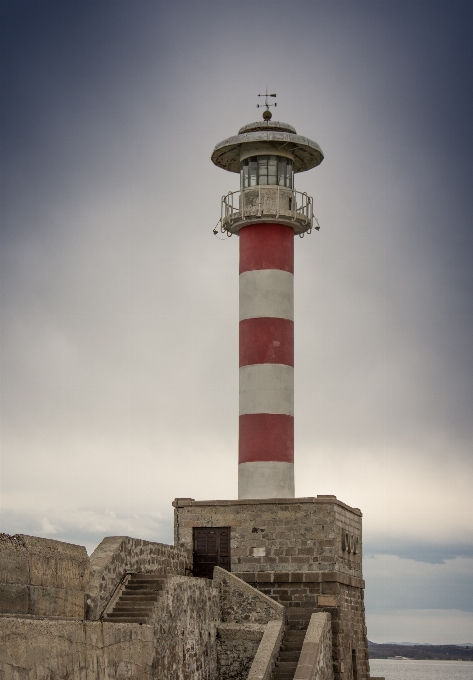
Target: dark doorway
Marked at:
211, 549
353, 664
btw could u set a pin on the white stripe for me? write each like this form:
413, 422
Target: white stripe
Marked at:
265, 480
267, 388
266, 292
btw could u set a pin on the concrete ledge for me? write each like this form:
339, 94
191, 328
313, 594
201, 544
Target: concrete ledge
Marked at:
43, 577
315, 661
322, 500
268, 650
300, 577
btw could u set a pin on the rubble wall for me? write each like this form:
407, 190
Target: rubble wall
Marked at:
237, 645
185, 623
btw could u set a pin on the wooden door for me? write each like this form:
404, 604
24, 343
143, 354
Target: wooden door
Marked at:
211, 549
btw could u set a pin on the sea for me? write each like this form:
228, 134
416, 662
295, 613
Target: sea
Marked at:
407, 669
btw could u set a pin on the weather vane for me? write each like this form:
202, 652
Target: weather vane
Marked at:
267, 115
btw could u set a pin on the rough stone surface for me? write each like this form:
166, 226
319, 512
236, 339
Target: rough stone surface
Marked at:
42, 577
241, 603
246, 615
237, 645
185, 622
37, 649
315, 661
118, 555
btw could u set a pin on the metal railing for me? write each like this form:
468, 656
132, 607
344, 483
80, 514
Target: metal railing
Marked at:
267, 200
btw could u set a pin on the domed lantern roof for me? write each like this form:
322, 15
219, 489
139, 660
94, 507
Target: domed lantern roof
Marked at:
268, 134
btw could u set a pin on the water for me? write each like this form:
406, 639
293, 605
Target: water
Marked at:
397, 669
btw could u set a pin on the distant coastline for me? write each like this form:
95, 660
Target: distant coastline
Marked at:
413, 651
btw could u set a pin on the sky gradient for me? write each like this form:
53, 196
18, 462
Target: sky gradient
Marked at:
119, 308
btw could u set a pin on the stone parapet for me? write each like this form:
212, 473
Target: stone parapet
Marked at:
315, 661
41, 649
42, 577
266, 655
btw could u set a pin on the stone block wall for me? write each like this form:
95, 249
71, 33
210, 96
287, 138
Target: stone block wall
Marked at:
288, 535
337, 594
118, 555
39, 649
42, 577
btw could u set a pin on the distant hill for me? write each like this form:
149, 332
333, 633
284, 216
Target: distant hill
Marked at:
425, 644
414, 651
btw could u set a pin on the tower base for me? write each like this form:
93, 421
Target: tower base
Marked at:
303, 552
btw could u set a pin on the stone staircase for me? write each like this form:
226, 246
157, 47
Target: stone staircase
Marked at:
137, 599
289, 654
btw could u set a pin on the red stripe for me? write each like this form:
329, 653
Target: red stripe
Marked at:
266, 340
267, 246
266, 437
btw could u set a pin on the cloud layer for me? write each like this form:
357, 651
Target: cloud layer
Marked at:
119, 307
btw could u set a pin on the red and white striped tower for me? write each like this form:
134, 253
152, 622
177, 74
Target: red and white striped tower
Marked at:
266, 213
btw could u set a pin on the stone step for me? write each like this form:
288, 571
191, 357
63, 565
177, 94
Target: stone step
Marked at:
126, 619
294, 637
150, 575
137, 597
291, 646
290, 655
286, 665
119, 616
144, 586
132, 608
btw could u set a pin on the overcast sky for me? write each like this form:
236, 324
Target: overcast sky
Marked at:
120, 308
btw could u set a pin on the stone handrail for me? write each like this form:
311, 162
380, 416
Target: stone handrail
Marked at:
267, 652
315, 661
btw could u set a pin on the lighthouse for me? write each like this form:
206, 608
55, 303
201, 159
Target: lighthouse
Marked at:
304, 553
267, 213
